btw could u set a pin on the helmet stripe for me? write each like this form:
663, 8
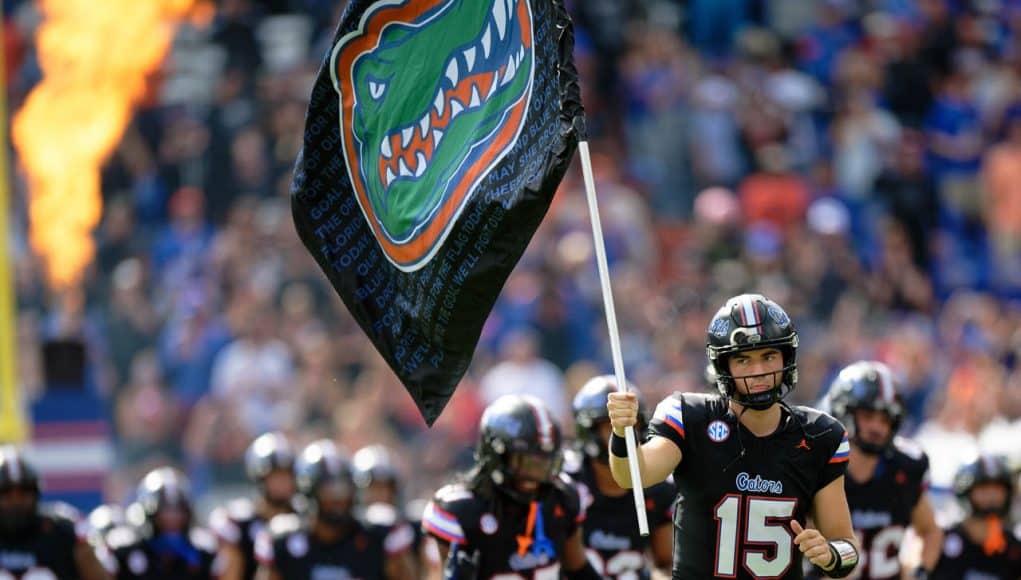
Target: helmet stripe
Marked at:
886, 383
749, 314
545, 424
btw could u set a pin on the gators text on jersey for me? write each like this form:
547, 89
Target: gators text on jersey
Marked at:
610, 531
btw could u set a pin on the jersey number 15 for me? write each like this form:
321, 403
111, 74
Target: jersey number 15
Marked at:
762, 523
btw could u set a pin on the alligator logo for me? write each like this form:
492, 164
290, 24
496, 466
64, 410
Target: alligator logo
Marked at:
433, 95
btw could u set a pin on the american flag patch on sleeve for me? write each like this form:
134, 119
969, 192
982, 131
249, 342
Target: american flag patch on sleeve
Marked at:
843, 452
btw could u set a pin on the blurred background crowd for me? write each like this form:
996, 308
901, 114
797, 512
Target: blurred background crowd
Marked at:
857, 161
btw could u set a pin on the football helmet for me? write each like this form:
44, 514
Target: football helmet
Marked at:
16, 473
323, 471
866, 385
373, 465
269, 451
751, 322
589, 407
985, 469
163, 487
518, 441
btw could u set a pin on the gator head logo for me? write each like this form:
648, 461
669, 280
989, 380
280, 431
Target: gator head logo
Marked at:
433, 95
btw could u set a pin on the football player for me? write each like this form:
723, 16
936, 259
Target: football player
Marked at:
161, 539
513, 516
886, 476
269, 463
36, 540
379, 491
335, 541
981, 546
610, 532
749, 467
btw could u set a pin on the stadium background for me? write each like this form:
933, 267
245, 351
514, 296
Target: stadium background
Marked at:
857, 161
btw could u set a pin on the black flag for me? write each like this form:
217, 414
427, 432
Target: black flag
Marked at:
436, 136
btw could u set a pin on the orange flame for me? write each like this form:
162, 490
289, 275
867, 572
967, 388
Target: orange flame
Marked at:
94, 56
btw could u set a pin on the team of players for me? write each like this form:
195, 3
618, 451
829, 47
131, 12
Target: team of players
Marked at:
530, 508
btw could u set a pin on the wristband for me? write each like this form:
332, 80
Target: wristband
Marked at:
845, 558
920, 573
618, 445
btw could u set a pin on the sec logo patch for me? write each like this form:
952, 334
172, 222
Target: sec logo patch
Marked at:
718, 431
488, 524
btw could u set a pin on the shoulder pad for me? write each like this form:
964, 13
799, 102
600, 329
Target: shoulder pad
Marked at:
202, 539
284, 524
381, 514
818, 421
573, 462
414, 509
59, 510
241, 509
909, 448
122, 537
453, 493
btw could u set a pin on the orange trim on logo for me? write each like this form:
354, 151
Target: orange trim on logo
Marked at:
419, 246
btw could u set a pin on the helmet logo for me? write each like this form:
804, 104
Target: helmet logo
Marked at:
778, 316
488, 524
718, 431
720, 327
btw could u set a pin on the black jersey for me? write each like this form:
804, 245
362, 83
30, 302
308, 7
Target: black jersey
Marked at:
191, 556
238, 524
881, 507
610, 533
738, 491
962, 559
289, 547
513, 540
45, 550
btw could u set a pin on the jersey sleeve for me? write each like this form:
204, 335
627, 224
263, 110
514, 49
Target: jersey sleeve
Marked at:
439, 519
838, 453
659, 504
574, 504
668, 421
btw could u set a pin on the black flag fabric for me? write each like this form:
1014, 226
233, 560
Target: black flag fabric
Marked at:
437, 134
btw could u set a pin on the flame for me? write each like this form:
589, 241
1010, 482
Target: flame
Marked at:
95, 56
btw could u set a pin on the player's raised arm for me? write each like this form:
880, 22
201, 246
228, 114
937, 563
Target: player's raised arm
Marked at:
656, 459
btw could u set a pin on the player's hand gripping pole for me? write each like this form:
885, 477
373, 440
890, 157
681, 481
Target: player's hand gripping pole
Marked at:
611, 323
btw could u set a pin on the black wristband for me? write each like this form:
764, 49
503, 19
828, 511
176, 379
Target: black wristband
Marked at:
845, 557
920, 573
618, 445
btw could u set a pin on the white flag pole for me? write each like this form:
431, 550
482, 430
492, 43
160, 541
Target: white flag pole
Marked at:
611, 323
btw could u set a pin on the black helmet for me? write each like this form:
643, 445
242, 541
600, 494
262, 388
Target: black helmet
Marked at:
866, 385
985, 469
751, 322
16, 471
164, 487
321, 463
590, 409
269, 451
373, 464
518, 439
